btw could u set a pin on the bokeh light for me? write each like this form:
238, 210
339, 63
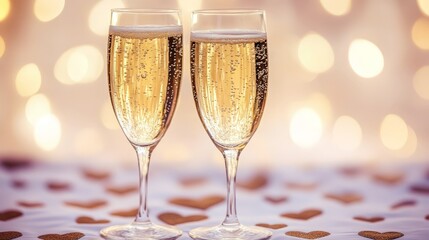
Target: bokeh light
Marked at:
2, 46
28, 80
88, 142
309, 63
420, 33
99, 16
47, 10
4, 9
393, 132
320, 103
189, 5
424, 6
36, 107
410, 146
79, 65
305, 127
315, 53
108, 116
337, 7
365, 58
347, 133
421, 82
47, 132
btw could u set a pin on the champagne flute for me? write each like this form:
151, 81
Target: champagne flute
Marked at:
144, 71
229, 71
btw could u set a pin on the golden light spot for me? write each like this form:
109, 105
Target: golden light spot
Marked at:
305, 128
315, 53
421, 82
321, 104
337, 7
79, 65
189, 5
4, 9
410, 147
47, 10
424, 6
108, 116
420, 33
365, 58
36, 107
88, 142
2, 47
47, 132
28, 80
347, 133
393, 132
99, 17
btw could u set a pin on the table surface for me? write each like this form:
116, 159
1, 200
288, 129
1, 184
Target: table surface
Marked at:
40, 200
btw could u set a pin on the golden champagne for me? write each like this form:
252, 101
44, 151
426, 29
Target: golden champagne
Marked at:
145, 68
229, 73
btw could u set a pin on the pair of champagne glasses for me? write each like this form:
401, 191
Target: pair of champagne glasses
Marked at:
229, 73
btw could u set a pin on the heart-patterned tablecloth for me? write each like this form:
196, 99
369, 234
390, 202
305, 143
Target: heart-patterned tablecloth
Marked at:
67, 201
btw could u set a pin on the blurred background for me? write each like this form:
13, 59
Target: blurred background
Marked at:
348, 84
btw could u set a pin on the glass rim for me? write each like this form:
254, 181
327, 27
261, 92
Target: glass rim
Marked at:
144, 10
228, 11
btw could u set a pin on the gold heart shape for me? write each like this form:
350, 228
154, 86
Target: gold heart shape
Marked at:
30, 204
201, 203
174, 218
380, 236
369, 219
90, 220
125, 213
9, 214
304, 215
121, 190
66, 236
308, 235
276, 200
405, 203
88, 205
256, 182
9, 235
345, 198
272, 226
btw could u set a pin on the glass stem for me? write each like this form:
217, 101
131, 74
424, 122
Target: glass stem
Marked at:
231, 162
143, 154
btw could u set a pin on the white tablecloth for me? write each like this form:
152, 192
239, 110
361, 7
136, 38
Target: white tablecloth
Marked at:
38, 199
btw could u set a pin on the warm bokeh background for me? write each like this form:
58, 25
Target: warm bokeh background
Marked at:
349, 82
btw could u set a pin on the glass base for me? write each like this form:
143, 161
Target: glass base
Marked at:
239, 232
138, 231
